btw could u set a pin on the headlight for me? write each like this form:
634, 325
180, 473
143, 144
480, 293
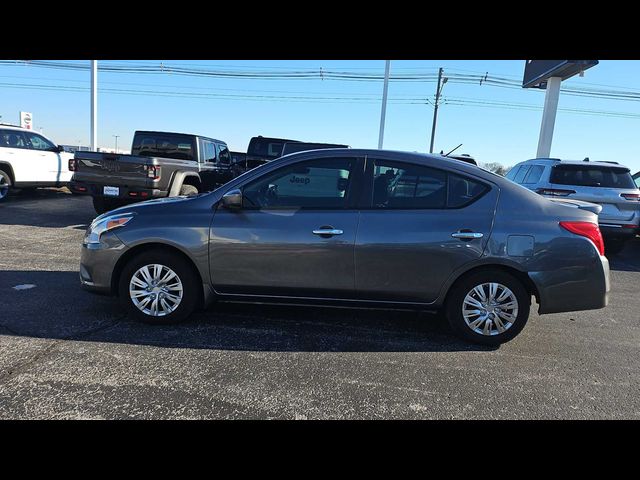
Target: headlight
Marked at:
104, 224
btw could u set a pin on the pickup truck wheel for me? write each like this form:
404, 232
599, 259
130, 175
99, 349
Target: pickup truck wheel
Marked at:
488, 307
102, 205
5, 184
187, 190
159, 288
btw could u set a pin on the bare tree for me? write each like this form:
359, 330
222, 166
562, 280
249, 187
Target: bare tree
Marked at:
496, 167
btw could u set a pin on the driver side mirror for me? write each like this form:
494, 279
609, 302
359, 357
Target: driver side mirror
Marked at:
232, 199
59, 148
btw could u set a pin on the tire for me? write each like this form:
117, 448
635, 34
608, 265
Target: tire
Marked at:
102, 205
186, 189
613, 246
188, 280
5, 185
464, 287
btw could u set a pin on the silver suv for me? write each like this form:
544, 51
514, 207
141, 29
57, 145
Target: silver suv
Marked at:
605, 183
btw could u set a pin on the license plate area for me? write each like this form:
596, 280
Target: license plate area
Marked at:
111, 191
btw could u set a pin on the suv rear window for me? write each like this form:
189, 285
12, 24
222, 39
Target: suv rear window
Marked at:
592, 176
181, 147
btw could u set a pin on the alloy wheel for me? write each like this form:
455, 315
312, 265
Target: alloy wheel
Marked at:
156, 290
490, 309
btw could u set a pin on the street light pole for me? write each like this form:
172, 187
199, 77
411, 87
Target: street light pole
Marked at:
435, 107
116, 142
383, 113
94, 105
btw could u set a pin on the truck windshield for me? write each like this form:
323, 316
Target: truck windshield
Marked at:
266, 147
181, 147
592, 176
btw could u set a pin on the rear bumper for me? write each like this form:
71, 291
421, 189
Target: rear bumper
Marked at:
126, 192
584, 287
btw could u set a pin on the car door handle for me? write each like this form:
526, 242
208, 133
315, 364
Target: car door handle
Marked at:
467, 235
328, 232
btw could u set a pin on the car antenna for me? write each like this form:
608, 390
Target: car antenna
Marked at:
447, 154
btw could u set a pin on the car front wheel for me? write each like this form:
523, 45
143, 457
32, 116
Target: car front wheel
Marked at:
159, 287
5, 185
488, 307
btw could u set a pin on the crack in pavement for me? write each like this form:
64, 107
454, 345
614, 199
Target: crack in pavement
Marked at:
24, 365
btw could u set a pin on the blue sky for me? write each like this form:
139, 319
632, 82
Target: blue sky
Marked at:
337, 112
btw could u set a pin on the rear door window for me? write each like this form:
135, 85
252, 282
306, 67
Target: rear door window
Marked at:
592, 176
224, 157
522, 173
534, 174
12, 139
402, 186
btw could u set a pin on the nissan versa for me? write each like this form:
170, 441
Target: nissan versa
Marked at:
355, 228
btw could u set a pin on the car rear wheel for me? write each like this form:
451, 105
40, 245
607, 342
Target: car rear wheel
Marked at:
5, 185
187, 190
488, 307
158, 287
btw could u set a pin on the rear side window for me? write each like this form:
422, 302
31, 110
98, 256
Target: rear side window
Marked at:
407, 186
535, 172
511, 174
521, 173
180, 147
592, 176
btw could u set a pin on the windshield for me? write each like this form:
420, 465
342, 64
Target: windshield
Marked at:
592, 176
266, 147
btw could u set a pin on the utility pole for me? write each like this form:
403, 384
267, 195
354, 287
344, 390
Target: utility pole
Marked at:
435, 108
116, 142
384, 103
94, 105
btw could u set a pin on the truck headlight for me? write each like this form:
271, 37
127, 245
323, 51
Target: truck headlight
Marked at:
103, 224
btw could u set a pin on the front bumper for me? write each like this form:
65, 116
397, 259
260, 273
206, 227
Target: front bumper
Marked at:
98, 261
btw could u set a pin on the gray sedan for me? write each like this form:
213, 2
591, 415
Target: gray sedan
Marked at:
355, 227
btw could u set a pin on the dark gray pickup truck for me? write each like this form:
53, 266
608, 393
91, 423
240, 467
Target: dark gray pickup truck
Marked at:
161, 164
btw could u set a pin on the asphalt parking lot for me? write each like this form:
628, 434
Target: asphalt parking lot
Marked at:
67, 354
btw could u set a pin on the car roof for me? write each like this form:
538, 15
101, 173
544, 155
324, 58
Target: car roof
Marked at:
557, 161
180, 133
426, 159
8, 126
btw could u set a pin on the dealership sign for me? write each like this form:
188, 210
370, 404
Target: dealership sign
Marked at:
26, 120
537, 72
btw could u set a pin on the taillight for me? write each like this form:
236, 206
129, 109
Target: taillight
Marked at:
73, 165
634, 197
153, 171
586, 229
555, 192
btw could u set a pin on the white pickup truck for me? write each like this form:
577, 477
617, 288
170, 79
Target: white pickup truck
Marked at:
29, 160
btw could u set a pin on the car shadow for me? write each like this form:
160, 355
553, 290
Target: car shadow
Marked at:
52, 305
627, 260
47, 207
